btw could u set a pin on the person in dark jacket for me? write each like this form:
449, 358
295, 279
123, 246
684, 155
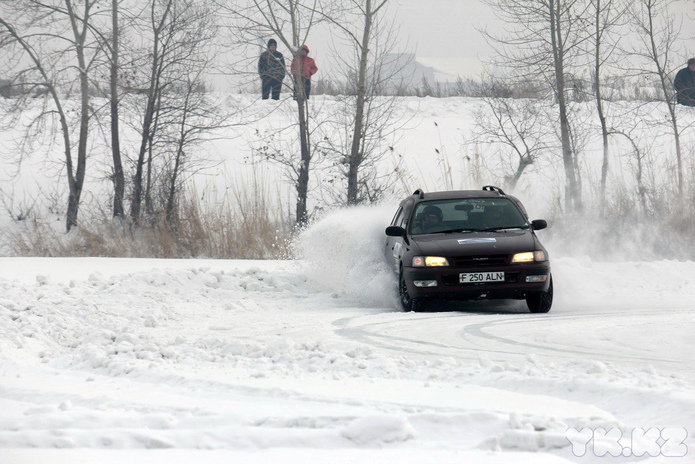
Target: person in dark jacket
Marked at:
684, 84
303, 68
271, 68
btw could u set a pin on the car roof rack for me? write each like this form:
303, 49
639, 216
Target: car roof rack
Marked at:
420, 193
492, 188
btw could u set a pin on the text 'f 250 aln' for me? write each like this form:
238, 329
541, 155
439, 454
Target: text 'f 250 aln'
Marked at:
469, 245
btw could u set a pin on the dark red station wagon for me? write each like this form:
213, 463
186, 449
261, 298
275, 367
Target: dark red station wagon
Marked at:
468, 245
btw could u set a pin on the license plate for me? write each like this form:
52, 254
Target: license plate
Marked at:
477, 277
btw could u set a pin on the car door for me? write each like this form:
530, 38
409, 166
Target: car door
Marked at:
395, 246
390, 243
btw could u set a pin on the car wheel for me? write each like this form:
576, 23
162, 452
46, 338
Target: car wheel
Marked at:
408, 303
540, 302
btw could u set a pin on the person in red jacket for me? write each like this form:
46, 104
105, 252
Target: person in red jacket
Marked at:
303, 68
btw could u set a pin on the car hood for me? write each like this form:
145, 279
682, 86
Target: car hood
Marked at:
476, 243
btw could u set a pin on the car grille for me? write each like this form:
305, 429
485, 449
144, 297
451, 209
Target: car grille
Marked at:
453, 279
480, 261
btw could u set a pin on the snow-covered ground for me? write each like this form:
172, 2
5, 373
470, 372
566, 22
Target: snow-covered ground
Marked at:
434, 142
309, 360
217, 361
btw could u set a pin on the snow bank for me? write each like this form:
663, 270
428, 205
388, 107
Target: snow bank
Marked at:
376, 430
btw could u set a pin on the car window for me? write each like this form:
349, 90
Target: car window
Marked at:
397, 217
407, 208
465, 214
404, 219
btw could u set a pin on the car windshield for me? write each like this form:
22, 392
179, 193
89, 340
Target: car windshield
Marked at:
466, 215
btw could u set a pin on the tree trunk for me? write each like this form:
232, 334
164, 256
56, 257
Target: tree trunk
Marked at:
658, 54
572, 194
302, 185
524, 162
118, 175
673, 118
599, 104
303, 174
64, 128
178, 161
152, 93
356, 156
144, 140
78, 181
171, 197
136, 204
149, 204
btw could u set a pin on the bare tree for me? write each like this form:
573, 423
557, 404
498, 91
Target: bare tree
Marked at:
118, 173
290, 21
193, 116
363, 122
607, 15
520, 127
639, 156
49, 33
371, 180
544, 40
109, 37
179, 32
369, 11
160, 12
658, 33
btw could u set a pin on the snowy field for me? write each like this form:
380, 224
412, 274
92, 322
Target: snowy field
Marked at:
177, 361
430, 142
309, 360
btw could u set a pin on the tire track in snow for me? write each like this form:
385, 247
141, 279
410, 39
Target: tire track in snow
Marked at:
479, 331
477, 337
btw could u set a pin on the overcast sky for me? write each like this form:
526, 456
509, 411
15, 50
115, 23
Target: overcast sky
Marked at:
444, 33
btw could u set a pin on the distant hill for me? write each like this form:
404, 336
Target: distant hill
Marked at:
404, 71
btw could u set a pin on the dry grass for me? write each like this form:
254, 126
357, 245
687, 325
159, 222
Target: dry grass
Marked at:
243, 227
662, 229
246, 224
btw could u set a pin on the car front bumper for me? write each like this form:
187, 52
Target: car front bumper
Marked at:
448, 286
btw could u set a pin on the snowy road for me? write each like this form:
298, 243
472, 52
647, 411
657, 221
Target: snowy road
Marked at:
509, 334
116, 360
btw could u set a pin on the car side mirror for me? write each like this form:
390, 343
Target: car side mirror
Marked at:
395, 231
539, 224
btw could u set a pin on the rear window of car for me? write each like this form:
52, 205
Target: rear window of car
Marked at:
470, 214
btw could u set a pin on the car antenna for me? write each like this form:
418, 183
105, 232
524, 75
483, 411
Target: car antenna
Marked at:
492, 188
420, 193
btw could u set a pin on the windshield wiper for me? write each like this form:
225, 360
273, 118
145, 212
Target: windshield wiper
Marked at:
464, 231
493, 229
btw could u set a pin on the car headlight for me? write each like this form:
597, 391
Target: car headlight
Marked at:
529, 257
429, 261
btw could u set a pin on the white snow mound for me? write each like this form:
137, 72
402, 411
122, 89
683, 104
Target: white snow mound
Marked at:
377, 430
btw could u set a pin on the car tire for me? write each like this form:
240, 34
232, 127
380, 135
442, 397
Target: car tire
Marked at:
407, 303
540, 302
